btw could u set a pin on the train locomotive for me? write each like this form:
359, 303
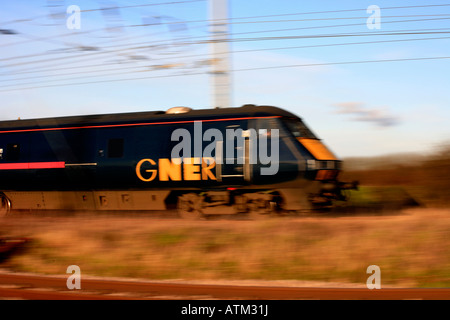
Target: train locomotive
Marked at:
252, 160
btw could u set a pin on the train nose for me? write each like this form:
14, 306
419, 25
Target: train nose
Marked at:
326, 166
317, 149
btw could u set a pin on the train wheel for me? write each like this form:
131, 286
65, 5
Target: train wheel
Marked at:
240, 204
5, 205
260, 209
189, 206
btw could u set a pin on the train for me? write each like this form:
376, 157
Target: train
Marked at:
249, 160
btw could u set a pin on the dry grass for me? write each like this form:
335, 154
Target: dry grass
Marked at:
411, 248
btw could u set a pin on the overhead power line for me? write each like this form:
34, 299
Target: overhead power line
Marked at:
95, 50
147, 68
104, 9
141, 5
237, 18
121, 50
340, 11
235, 70
233, 20
327, 19
59, 42
182, 41
339, 35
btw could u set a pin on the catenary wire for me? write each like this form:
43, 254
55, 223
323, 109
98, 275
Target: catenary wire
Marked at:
235, 70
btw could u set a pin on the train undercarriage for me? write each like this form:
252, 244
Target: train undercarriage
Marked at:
260, 203
189, 204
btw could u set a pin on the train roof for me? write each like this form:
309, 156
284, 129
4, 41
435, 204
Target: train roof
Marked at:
116, 118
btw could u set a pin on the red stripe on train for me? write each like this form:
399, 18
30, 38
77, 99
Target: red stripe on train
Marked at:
136, 124
32, 165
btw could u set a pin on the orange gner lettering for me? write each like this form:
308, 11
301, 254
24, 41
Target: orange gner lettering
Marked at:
138, 170
193, 169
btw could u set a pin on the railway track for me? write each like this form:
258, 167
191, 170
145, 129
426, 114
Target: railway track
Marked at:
39, 287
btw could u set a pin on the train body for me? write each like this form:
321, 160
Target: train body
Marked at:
252, 159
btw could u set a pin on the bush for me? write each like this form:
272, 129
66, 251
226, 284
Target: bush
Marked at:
427, 178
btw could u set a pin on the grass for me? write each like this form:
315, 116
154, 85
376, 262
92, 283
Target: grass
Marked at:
410, 248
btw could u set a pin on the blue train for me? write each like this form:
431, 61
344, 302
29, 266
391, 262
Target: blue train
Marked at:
254, 160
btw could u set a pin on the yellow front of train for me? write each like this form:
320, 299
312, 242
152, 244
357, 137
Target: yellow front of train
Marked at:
322, 165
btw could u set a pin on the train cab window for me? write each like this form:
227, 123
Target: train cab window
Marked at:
12, 152
115, 148
299, 129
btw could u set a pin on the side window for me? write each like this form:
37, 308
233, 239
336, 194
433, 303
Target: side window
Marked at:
12, 152
115, 148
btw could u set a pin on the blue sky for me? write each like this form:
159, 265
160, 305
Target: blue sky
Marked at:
358, 109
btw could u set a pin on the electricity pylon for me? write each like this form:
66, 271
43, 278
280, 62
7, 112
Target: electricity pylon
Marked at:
220, 62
